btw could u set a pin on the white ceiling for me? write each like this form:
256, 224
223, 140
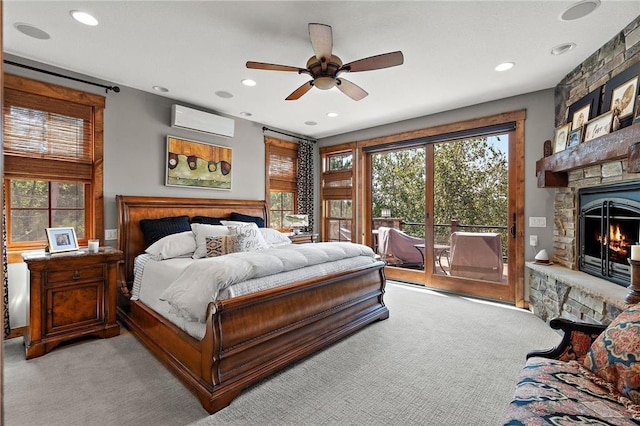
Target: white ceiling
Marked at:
198, 48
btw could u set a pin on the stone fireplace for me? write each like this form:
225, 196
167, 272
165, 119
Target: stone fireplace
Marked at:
563, 289
608, 225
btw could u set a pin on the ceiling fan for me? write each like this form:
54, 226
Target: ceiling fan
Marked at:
324, 67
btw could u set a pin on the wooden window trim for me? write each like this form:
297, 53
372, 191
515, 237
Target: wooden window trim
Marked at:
95, 200
286, 149
328, 193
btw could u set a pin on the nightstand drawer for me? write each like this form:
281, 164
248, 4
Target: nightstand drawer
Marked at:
91, 272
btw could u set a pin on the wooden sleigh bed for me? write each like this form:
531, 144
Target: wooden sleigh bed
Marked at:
247, 337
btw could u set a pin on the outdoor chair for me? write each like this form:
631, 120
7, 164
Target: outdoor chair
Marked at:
476, 255
399, 248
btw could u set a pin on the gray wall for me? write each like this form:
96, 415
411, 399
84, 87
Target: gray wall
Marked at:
136, 125
538, 128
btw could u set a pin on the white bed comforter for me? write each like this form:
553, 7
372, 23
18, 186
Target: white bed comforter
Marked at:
202, 281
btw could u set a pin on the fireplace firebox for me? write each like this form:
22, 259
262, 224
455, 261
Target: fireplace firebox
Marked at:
609, 225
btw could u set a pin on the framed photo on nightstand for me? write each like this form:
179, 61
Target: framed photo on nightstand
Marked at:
62, 239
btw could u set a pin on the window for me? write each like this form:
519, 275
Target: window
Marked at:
337, 193
53, 161
282, 176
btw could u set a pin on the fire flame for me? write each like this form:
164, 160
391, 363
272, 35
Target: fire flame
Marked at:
617, 240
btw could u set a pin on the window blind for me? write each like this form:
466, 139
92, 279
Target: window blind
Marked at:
47, 138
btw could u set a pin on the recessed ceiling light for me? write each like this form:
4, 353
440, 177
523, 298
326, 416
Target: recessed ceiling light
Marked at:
160, 89
84, 18
504, 66
310, 123
579, 10
332, 114
562, 48
248, 82
246, 114
223, 94
31, 31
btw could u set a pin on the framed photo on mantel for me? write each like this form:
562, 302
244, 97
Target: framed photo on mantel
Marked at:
599, 126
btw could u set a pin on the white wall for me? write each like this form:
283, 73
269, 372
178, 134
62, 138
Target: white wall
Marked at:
540, 110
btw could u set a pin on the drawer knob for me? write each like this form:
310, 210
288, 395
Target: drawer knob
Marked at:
76, 275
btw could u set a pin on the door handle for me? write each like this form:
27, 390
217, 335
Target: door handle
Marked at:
512, 228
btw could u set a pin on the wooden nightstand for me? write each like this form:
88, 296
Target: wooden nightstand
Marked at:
72, 295
303, 238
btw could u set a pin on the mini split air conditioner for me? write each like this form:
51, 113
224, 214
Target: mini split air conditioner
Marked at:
200, 121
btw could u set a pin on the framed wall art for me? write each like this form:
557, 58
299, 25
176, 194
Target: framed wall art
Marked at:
560, 142
197, 164
599, 126
624, 88
62, 239
575, 137
585, 109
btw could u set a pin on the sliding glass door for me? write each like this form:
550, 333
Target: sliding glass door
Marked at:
446, 212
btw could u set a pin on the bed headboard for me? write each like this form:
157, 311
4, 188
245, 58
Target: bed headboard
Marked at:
132, 209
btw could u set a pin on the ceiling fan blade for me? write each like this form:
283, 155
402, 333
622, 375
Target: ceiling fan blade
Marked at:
296, 94
377, 62
350, 89
272, 67
321, 40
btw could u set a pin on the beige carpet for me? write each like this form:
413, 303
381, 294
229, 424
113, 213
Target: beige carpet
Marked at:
438, 360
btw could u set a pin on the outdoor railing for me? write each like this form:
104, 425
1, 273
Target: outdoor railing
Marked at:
442, 232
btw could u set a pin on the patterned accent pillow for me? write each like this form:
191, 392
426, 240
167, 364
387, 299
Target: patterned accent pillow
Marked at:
219, 246
615, 355
249, 236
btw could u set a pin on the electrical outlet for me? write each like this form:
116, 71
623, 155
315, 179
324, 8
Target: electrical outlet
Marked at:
538, 222
110, 234
533, 240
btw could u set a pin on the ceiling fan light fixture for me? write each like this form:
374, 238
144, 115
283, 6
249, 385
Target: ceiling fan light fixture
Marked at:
324, 83
579, 10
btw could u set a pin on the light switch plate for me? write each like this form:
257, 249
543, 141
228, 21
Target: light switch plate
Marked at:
110, 234
538, 222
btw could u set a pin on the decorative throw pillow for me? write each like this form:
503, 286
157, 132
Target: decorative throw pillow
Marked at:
249, 236
202, 231
174, 245
239, 217
274, 238
224, 244
615, 354
154, 229
208, 220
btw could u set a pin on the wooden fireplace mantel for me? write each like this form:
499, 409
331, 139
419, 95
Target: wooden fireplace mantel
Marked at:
624, 143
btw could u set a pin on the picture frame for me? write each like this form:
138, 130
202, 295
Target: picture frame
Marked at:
560, 141
599, 126
575, 137
616, 83
623, 98
62, 239
197, 164
580, 117
589, 103
636, 116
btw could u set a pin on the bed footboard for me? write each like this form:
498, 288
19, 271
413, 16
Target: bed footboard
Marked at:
250, 337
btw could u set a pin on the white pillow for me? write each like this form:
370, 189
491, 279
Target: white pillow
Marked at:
202, 231
274, 238
249, 236
182, 244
